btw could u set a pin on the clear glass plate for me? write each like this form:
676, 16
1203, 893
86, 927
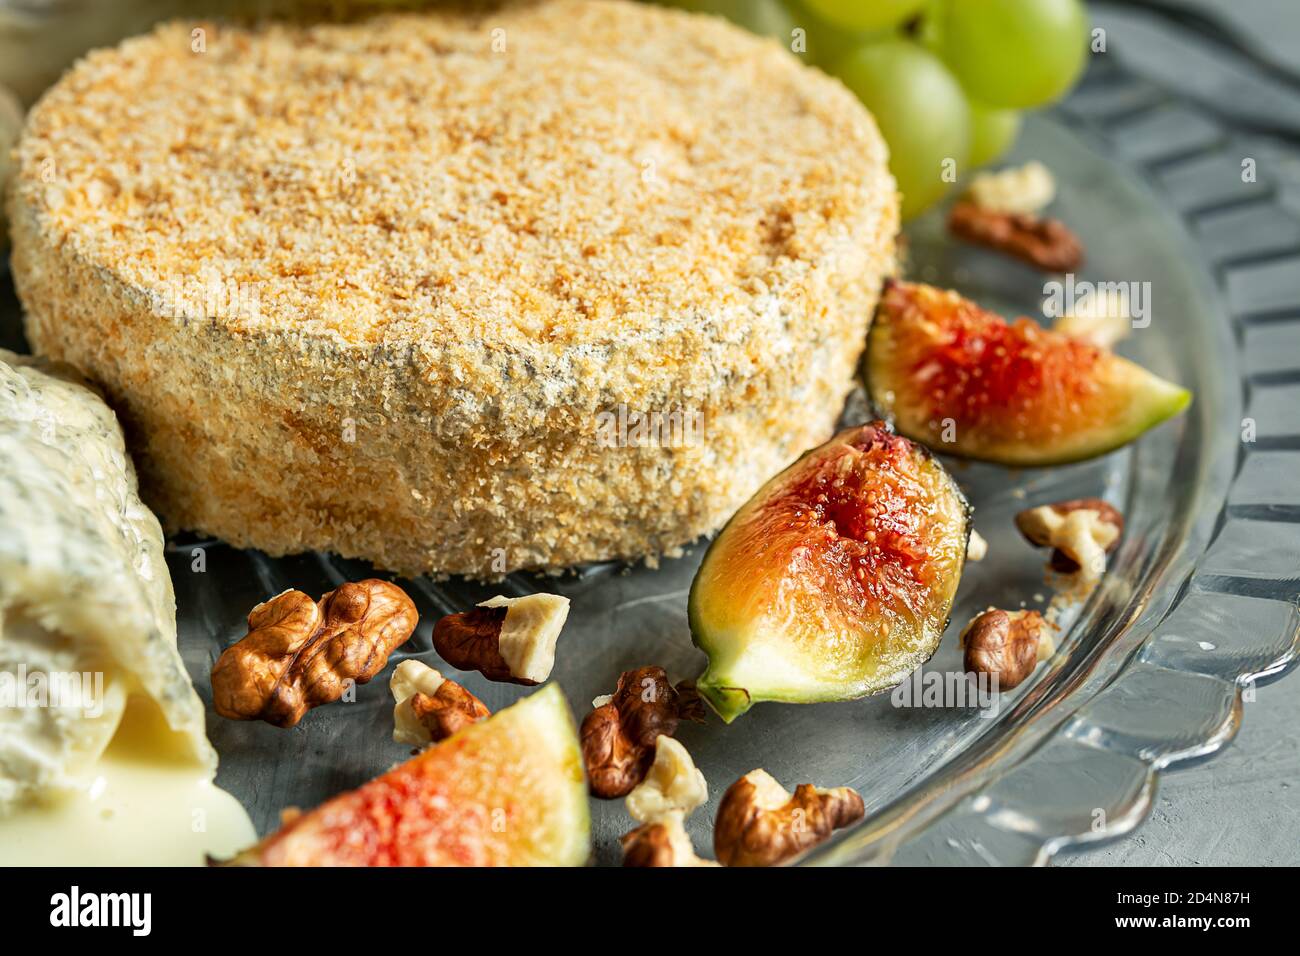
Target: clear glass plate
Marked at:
1200, 598
910, 764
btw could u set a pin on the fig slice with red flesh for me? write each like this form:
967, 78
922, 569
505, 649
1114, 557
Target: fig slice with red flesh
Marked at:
969, 383
835, 580
507, 791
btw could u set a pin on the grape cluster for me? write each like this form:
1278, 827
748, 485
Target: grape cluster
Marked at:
945, 79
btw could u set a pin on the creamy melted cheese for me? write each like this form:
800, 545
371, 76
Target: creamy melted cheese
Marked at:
145, 801
103, 755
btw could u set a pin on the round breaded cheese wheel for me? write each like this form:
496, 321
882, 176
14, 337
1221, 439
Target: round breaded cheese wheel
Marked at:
459, 293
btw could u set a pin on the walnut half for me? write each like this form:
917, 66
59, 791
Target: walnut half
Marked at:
301, 653
671, 790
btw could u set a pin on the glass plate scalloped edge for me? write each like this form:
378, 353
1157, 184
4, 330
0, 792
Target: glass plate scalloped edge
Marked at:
1165, 677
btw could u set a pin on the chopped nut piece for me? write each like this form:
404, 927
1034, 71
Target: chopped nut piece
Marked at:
429, 707
661, 803
1103, 331
976, 547
672, 783
1081, 532
301, 653
505, 639
760, 823
661, 842
618, 738
1024, 189
1046, 244
449, 711
1102, 320
1006, 645
411, 677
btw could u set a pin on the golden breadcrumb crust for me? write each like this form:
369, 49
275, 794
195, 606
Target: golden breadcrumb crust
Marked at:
367, 288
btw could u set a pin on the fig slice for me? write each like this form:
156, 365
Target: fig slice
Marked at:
970, 384
835, 580
507, 791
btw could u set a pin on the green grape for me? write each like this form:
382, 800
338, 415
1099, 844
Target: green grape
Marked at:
1013, 53
922, 113
864, 16
826, 44
764, 17
992, 131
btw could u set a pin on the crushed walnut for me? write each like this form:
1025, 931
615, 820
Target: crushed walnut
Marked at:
428, 707
1003, 210
1025, 189
1081, 533
672, 783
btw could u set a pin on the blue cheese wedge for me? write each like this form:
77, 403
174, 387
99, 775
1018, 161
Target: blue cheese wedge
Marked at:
103, 755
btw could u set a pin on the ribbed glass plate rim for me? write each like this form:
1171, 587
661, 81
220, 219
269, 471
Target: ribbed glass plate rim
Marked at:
977, 808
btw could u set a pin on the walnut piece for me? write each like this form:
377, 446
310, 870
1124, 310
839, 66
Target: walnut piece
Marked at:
1103, 319
671, 790
1081, 533
1046, 244
1025, 189
672, 783
301, 653
760, 823
1006, 645
976, 547
511, 640
661, 842
429, 707
618, 737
